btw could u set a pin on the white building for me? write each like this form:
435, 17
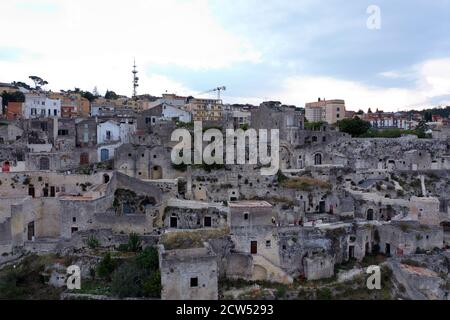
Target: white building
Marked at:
172, 112
108, 132
102, 110
39, 106
171, 99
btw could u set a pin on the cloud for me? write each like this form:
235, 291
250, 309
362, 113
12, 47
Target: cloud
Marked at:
431, 87
86, 43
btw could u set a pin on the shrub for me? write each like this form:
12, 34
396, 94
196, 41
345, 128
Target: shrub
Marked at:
106, 267
152, 285
123, 247
93, 242
138, 278
126, 281
134, 242
280, 292
324, 294
148, 259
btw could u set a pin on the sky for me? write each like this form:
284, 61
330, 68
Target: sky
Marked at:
294, 51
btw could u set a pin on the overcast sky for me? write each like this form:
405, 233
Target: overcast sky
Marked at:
291, 51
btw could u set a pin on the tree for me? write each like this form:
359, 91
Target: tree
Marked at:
87, 95
111, 95
38, 82
106, 267
21, 85
148, 259
355, 127
12, 97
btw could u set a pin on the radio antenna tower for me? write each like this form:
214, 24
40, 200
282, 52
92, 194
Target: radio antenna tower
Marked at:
135, 80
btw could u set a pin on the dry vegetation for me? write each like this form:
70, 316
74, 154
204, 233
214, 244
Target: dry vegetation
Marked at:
190, 239
305, 183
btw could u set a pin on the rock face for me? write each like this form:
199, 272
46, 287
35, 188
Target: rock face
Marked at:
420, 283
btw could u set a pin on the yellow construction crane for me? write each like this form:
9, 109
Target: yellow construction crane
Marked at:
218, 89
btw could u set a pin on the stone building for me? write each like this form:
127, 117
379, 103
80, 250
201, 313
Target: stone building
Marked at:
188, 273
400, 238
188, 214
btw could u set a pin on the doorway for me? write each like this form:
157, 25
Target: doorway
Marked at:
322, 207
173, 222
207, 222
370, 214
30, 230
104, 155
157, 173
84, 158
351, 252
254, 247
31, 191
388, 249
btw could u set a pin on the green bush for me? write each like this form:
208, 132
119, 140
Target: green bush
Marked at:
324, 294
152, 285
148, 259
134, 242
93, 242
139, 277
106, 266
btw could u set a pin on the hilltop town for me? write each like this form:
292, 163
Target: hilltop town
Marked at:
88, 180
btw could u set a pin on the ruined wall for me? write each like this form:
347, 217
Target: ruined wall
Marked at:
318, 267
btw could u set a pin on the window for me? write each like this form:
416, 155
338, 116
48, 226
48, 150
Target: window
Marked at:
63, 132
74, 219
245, 215
268, 244
148, 120
194, 282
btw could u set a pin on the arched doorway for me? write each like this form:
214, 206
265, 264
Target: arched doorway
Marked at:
370, 214
105, 178
317, 159
259, 273
157, 173
44, 163
285, 157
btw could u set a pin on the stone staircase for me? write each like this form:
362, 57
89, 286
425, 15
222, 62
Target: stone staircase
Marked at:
274, 273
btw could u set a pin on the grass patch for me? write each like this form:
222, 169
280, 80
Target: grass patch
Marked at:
190, 239
305, 183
